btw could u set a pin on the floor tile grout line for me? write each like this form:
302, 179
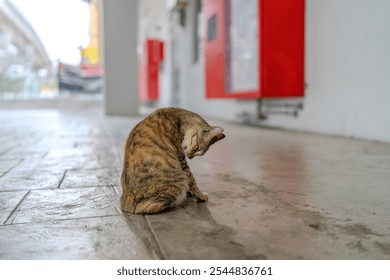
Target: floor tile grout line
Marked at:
66, 188
61, 220
15, 212
62, 179
294, 193
45, 154
9, 170
160, 254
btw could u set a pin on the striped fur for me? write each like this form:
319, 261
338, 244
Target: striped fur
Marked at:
155, 174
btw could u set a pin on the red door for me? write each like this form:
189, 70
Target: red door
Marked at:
149, 65
214, 17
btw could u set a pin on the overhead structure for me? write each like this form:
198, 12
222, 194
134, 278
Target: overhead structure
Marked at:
18, 38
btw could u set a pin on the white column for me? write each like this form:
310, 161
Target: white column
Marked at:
120, 28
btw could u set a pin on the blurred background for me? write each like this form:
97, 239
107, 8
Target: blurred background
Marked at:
316, 66
76, 75
48, 47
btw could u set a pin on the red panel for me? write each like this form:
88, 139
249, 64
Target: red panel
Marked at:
149, 65
281, 50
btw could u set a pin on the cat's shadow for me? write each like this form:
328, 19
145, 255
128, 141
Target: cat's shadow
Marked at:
190, 225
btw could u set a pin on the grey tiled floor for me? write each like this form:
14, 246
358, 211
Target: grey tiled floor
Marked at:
272, 194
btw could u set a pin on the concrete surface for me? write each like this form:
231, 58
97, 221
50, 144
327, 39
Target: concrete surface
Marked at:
272, 194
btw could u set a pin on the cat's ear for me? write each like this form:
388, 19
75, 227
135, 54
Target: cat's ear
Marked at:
214, 131
214, 134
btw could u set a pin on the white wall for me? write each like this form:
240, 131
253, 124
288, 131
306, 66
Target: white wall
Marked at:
347, 69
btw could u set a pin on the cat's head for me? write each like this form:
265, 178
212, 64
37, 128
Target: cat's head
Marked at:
197, 142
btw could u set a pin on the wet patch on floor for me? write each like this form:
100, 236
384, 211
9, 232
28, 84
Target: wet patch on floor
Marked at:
357, 245
305, 223
358, 230
385, 247
191, 227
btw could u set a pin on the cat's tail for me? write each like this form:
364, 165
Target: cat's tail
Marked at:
127, 203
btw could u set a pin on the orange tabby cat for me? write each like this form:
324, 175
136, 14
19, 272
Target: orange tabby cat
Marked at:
155, 173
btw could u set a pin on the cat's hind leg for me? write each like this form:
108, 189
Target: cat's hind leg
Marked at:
153, 205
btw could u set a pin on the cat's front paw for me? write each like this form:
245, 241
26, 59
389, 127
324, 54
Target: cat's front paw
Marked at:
202, 198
